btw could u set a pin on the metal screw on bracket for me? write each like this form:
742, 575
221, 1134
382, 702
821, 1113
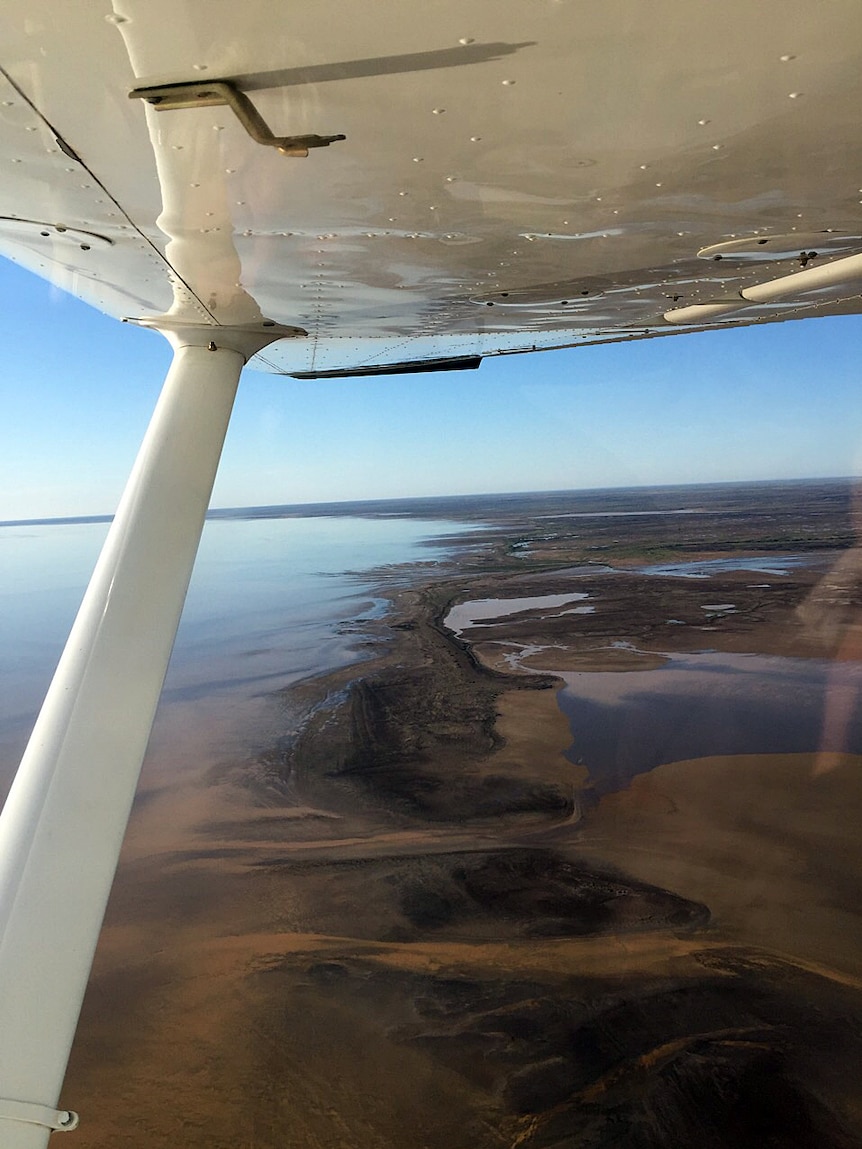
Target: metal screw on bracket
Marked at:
170, 97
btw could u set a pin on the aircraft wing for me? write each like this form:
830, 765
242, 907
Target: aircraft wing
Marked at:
513, 176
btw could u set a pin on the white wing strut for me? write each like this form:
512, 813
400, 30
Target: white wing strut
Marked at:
63, 823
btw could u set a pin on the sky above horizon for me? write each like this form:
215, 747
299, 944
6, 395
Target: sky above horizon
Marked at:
774, 402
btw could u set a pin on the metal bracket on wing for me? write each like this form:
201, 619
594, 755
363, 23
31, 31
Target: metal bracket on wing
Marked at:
59, 1120
196, 94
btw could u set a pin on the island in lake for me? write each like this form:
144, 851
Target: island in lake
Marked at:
570, 861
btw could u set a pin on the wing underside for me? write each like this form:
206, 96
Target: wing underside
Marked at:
514, 177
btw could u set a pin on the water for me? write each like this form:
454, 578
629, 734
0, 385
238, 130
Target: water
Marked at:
771, 565
468, 615
699, 705
266, 607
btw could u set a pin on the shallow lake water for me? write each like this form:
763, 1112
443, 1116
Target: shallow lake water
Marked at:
467, 615
267, 606
704, 568
699, 705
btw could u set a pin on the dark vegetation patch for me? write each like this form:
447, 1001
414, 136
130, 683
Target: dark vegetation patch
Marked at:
493, 894
716, 1061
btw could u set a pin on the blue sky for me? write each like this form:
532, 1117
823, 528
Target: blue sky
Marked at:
77, 390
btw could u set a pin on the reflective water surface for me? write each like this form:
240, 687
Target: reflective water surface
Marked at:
702, 705
264, 609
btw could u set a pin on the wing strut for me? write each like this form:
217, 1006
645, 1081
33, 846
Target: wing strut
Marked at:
64, 819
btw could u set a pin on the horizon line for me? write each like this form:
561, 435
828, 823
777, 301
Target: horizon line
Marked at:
218, 512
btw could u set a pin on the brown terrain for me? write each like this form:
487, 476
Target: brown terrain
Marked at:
420, 921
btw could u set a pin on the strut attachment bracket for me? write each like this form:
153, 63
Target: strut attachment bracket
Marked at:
60, 1120
196, 94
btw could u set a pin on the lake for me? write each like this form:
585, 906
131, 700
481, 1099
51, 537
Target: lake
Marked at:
710, 703
266, 607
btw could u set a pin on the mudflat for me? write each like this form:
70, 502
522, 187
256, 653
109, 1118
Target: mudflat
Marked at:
420, 921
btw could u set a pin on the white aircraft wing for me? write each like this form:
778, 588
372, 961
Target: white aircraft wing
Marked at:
513, 176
